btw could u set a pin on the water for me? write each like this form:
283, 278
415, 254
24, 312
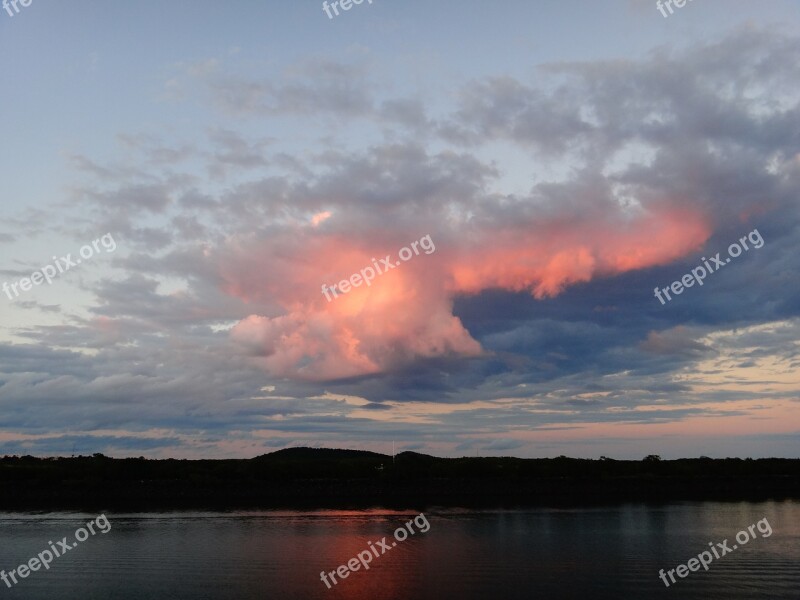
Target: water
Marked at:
613, 552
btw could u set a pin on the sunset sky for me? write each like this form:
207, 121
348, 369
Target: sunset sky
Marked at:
564, 159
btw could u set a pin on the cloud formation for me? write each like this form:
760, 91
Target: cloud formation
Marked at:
531, 327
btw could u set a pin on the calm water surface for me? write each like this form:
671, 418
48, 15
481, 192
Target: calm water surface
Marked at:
548, 553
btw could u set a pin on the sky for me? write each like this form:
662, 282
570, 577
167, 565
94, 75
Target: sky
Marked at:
518, 228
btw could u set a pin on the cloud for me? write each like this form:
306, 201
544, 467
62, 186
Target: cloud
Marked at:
406, 313
308, 87
676, 341
533, 320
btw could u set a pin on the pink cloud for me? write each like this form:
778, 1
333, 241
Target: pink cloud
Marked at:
407, 312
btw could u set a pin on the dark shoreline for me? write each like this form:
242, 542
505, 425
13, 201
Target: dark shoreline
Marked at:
302, 478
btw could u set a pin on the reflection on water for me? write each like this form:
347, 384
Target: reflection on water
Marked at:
577, 553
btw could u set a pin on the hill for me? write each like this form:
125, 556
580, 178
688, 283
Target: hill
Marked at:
331, 478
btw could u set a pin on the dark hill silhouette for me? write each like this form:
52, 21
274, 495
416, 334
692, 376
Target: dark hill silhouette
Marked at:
332, 478
305, 453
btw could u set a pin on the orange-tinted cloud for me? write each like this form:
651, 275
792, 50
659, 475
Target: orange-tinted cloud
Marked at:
547, 260
406, 313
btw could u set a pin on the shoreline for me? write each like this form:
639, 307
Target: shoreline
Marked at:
304, 478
